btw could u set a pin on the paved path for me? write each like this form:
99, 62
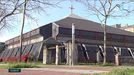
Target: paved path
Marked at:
36, 72
67, 70
50, 71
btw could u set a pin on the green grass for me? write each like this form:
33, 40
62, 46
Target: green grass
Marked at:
4, 66
23, 65
18, 65
121, 71
96, 64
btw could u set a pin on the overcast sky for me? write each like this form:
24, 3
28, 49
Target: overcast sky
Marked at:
54, 14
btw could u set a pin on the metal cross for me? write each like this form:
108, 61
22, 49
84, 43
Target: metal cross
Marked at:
71, 8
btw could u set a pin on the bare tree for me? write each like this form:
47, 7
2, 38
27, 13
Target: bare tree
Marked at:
27, 7
104, 9
12, 8
22, 28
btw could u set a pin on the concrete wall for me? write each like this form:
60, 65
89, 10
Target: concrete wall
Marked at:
27, 41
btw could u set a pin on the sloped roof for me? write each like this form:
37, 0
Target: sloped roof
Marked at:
75, 16
88, 25
129, 26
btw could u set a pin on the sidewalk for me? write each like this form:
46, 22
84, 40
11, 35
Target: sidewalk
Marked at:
67, 70
58, 70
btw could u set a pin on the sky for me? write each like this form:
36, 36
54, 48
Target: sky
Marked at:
56, 13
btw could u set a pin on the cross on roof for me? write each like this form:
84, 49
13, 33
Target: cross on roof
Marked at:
71, 8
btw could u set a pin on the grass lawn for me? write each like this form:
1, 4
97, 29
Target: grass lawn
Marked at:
3, 66
96, 64
18, 65
120, 71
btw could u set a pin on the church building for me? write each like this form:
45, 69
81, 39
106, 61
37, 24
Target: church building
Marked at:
52, 43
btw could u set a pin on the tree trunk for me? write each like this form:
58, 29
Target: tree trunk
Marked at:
73, 43
22, 28
105, 41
